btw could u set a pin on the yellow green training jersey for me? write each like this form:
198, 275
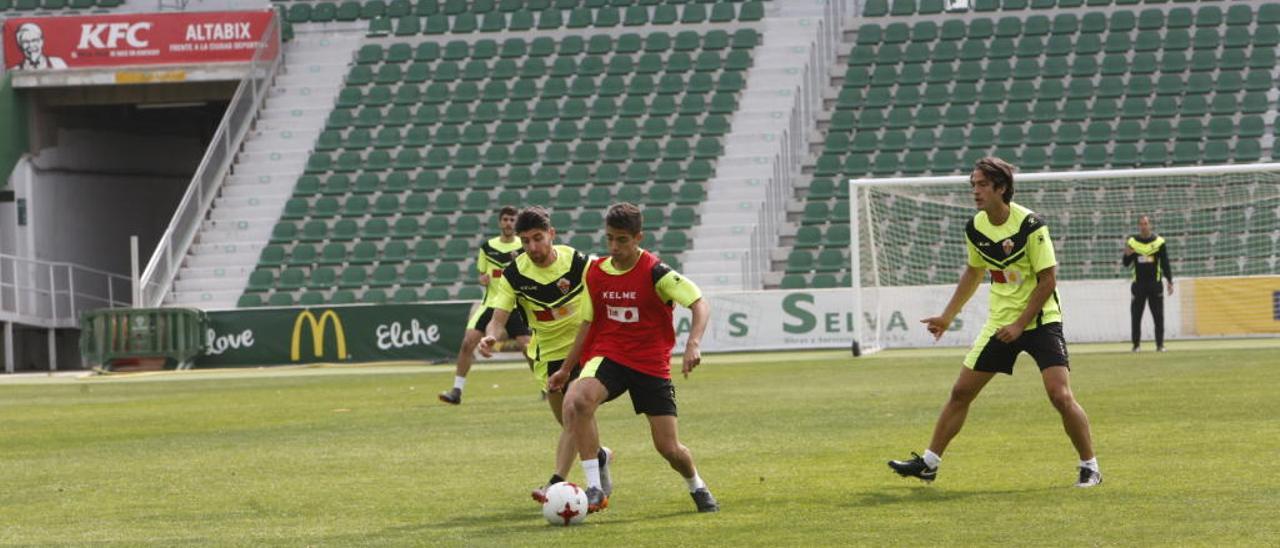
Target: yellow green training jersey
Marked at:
1013, 253
495, 255
1150, 259
552, 298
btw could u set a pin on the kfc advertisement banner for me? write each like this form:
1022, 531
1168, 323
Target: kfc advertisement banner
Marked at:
100, 41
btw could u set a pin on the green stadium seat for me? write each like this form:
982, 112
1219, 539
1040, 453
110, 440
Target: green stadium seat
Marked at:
302, 255
397, 251
793, 281
1063, 158
322, 278
1186, 153
1094, 156
248, 301
405, 295
280, 299
447, 273
293, 278
1247, 150
261, 280
815, 213
341, 296
831, 260
1251, 126
1216, 152
1190, 130
374, 296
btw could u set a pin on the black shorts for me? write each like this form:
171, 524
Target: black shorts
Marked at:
517, 326
551, 368
653, 396
1045, 344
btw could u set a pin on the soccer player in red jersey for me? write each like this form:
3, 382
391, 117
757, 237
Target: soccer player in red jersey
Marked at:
625, 344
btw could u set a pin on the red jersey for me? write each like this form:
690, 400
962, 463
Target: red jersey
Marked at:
632, 325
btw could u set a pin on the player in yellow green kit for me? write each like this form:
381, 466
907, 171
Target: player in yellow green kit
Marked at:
547, 283
495, 254
1012, 243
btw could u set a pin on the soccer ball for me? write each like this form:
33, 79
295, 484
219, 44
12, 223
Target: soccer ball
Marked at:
566, 504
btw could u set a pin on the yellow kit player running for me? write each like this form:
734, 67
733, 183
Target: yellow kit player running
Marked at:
546, 282
1013, 244
495, 254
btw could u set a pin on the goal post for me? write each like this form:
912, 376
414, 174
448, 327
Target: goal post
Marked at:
907, 237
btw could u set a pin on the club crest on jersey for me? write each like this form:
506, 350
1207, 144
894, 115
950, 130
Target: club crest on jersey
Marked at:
1007, 245
514, 253
564, 285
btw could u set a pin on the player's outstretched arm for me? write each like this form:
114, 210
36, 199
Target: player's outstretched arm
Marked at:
970, 279
490, 339
560, 378
693, 347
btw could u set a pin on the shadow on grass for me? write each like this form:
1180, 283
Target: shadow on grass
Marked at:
470, 526
500, 524
928, 494
610, 519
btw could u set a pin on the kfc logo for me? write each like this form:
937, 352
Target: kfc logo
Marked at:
91, 35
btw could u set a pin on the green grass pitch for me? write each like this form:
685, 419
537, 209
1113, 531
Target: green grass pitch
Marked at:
794, 445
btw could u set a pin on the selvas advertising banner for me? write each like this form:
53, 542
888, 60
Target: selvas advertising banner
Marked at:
823, 318
89, 41
336, 334
1093, 311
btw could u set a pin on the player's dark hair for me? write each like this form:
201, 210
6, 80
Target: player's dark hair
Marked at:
507, 210
624, 216
1000, 173
533, 218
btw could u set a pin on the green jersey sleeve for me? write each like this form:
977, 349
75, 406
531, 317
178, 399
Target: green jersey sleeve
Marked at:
1040, 250
673, 287
501, 295
482, 262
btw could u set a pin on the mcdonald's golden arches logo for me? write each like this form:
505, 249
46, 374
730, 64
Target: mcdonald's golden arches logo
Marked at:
317, 334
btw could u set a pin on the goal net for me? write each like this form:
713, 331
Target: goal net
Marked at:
908, 249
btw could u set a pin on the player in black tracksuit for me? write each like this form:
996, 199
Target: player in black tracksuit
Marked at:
1148, 254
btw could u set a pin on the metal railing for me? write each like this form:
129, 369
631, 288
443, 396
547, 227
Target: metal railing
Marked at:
52, 294
162, 269
795, 142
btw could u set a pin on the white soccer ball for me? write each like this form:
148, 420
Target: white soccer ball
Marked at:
566, 504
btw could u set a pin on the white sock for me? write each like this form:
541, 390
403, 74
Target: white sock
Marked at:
931, 459
695, 482
459, 382
592, 469
1091, 464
